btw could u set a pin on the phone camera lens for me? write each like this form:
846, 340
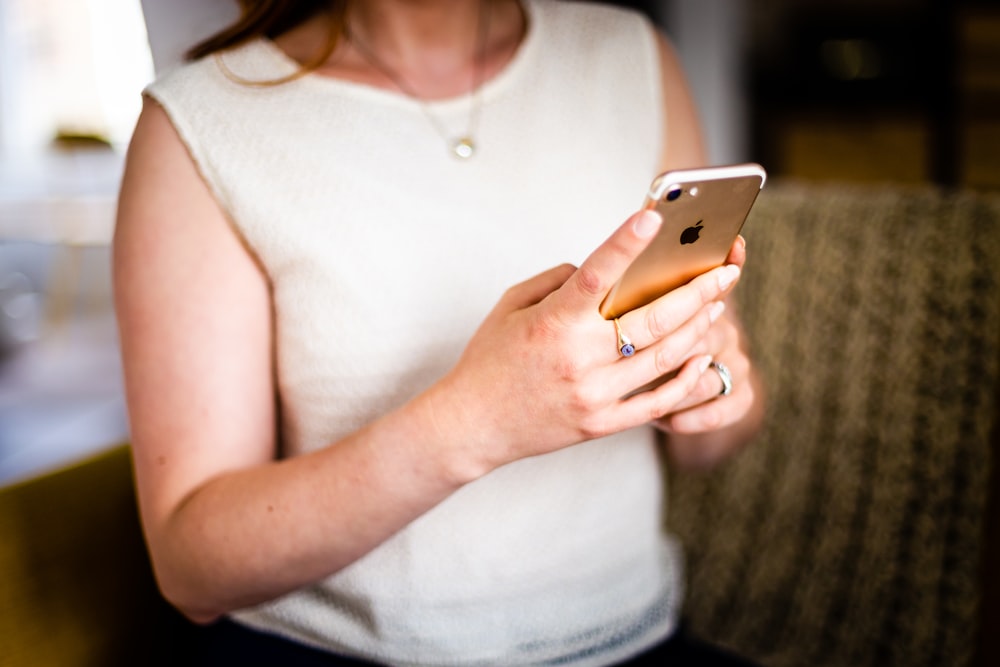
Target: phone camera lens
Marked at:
673, 194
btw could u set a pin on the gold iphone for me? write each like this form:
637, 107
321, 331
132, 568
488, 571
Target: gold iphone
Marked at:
703, 211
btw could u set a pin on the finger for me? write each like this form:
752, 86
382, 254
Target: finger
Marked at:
662, 317
710, 387
738, 252
536, 288
711, 415
588, 286
664, 399
653, 364
708, 392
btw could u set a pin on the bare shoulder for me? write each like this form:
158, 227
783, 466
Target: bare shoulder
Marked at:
161, 182
158, 168
166, 209
172, 238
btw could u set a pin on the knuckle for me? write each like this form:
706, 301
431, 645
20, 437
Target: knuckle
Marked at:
703, 323
670, 396
547, 334
544, 330
659, 322
585, 401
510, 294
666, 359
664, 407
658, 411
590, 281
565, 269
592, 427
711, 417
703, 388
570, 370
708, 289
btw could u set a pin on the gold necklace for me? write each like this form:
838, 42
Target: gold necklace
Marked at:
462, 147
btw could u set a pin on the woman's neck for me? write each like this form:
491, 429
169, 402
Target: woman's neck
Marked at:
432, 45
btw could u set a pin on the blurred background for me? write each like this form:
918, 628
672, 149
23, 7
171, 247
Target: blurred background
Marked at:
836, 90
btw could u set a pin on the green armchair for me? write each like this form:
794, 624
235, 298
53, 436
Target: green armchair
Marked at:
76, 587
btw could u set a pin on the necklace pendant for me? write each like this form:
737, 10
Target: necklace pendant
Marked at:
463, 148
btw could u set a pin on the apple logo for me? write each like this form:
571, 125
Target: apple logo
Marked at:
690, 235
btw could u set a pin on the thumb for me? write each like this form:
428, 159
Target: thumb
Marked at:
591, 282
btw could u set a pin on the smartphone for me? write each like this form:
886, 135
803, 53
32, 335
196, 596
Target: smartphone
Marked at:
703, 211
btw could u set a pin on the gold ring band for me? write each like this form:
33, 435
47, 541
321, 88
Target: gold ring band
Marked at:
625, 346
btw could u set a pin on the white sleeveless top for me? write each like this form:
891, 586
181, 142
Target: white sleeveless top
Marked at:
385, 253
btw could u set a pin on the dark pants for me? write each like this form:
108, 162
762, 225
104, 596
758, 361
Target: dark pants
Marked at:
228, 643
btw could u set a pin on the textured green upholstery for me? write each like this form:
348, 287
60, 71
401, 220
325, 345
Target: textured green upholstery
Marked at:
851, 532
76, 587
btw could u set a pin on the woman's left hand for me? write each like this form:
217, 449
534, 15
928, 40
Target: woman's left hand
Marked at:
706, 408
707, 425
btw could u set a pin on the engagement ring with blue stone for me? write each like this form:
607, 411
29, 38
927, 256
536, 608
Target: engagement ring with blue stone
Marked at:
625, 346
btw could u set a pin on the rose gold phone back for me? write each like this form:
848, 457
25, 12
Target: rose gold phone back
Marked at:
699, 227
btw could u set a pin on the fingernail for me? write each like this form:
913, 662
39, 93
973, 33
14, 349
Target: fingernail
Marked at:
646, 224
704, 363
716, 310
728, 276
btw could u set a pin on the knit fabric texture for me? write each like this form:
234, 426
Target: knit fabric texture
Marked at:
850, 533
385, 253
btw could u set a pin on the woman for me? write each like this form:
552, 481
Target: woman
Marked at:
351, 434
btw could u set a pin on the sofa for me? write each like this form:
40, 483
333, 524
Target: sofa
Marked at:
857, 529
860, 527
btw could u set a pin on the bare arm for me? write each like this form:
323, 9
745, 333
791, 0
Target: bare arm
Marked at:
227, 524
195, 318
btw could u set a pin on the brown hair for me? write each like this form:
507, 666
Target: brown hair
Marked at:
270, 18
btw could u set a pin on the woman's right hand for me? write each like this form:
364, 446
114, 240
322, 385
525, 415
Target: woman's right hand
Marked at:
543, 371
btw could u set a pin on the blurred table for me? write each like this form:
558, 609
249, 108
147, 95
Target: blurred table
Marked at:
59, 196
61, 394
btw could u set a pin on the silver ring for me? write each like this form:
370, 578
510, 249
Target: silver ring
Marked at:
725, 376
625, 346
